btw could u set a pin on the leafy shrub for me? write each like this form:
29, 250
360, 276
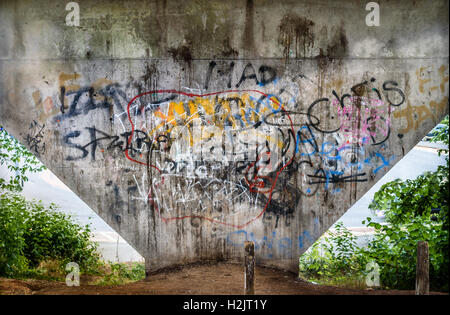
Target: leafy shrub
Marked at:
394, 249
404, 200
335, 259
17, 159
442, 134
12, 228
332, 256
416, 210
32, 233
122, 273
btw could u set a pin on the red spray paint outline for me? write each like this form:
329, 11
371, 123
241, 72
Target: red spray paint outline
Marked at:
165, 220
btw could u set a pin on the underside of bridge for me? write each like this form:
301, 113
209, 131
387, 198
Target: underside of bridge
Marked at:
193, 126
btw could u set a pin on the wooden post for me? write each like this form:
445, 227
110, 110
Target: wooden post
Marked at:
249, 284
422, 269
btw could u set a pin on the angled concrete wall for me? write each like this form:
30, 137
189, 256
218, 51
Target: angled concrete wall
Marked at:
192, 126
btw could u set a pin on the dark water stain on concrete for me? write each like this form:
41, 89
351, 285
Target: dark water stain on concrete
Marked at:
148, 82
295, 31
108, 46
229, 51
248, 40
323, 61
339, 44
181, 54
336, 48
151, 27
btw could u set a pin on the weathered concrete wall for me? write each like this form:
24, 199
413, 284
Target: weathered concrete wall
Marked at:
192, 126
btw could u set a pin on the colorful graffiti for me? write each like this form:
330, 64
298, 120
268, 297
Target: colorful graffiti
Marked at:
233, 156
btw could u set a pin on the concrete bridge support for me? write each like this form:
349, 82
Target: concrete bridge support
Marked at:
193, 126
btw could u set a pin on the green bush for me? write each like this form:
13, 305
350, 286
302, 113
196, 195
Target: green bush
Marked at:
12, 228
32, 233
333, 255
442, 135
416, 210
404, 200
394, 249
17, 159
122, 273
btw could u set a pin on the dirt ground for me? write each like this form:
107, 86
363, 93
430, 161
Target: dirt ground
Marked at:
205, 279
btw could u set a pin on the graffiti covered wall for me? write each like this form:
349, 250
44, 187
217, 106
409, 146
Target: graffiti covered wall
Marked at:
191, 127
